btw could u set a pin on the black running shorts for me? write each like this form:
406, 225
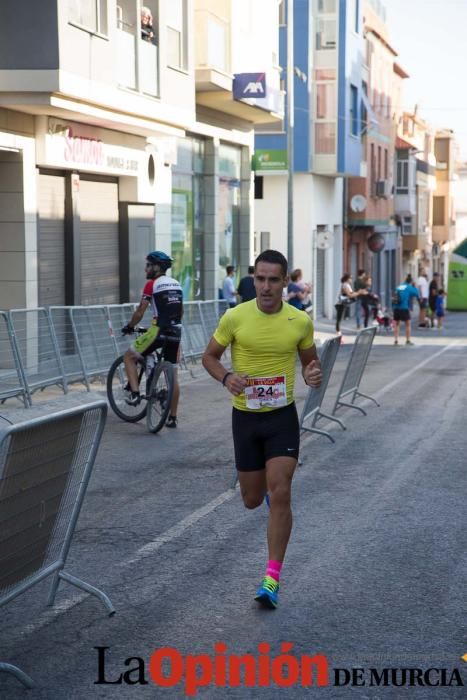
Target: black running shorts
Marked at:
260, 436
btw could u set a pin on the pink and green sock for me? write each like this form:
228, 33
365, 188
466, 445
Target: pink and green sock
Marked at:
274, 569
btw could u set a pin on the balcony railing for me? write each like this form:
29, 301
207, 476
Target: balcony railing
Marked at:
137, 63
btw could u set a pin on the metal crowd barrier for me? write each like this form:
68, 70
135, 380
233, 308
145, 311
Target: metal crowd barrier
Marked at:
37, 349
92, 332
195, 335
45, 467
312, 412
12, 381
67, 344
350, 386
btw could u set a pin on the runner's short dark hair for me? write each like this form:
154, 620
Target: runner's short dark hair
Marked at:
274, 257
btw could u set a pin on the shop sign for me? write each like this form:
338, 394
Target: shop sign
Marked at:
376, 242
72, 145
267, 159
247, 85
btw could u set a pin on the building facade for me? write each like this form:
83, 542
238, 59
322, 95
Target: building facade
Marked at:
327, 58
109, 149
372, 240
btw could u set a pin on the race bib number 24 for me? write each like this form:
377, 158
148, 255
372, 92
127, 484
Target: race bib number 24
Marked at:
265, 391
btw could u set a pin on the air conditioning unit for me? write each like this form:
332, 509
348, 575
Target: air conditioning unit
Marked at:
382, 188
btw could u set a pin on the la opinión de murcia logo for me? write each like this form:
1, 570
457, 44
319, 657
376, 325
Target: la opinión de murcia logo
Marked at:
168, 668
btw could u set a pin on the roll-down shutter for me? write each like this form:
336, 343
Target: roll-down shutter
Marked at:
98, 206
51, 240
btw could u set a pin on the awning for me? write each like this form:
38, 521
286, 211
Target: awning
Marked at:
371, 116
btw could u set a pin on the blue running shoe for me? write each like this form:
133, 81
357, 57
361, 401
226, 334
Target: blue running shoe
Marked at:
268, 593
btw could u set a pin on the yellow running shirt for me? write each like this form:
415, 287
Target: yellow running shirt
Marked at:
264, 347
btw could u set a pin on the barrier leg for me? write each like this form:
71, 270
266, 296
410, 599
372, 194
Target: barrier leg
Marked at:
84, 586
17, 673
333, 418
350, 405
319, 432
365, 396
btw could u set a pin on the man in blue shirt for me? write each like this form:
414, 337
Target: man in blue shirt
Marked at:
401, 307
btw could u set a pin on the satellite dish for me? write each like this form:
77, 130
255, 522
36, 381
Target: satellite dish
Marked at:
358, 203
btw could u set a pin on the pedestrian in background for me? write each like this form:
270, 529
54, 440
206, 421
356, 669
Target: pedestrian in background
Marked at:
246, 287
432, 294
359, 284
228, 287
297, 291
423, 291
403, 297
345, 297
439, 308
368, 301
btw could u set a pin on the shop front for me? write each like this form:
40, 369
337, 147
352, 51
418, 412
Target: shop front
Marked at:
94, 187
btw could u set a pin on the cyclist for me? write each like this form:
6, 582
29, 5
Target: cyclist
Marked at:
266, 335
166, 297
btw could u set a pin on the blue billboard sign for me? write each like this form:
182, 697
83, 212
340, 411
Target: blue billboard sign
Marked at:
249, 85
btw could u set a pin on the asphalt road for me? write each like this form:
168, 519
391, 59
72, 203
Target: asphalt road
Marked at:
375, 574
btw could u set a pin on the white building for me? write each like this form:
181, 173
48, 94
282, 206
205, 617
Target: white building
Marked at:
116, 139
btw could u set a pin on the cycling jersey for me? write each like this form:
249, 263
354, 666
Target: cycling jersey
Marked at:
166, 297
264, 347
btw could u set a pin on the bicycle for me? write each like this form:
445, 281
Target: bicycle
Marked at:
156, 379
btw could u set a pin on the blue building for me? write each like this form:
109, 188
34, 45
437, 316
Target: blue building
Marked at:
327, 136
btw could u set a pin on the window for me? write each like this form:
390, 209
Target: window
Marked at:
282, 19
352, 8
325, 101
379, 162
326, 34
327, 6
354, 121
325, 74
372, 169
325, 138
438, 211
176, 33
402, 177
90, 14
386, 164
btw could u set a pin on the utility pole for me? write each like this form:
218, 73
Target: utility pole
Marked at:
290, 130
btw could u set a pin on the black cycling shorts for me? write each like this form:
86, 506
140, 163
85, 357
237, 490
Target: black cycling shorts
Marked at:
148, 342
260, 436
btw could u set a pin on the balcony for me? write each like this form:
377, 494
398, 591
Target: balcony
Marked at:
137, 59
213, 65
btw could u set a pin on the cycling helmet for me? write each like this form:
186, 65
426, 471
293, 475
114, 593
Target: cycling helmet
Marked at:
157, 256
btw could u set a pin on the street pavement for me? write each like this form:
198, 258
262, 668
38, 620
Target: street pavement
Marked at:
375, 573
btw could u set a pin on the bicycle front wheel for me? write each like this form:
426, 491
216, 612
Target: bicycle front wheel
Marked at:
118, 392
160, 396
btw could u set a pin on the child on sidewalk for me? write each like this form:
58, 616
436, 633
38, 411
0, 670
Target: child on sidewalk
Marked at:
439, 308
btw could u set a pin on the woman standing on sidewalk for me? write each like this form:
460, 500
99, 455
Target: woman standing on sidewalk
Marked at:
345, 297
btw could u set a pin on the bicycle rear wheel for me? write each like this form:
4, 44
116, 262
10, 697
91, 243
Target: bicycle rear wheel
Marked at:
160, 396
118, 391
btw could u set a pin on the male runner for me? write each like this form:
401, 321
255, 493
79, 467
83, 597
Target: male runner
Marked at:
265, 335
166, 297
